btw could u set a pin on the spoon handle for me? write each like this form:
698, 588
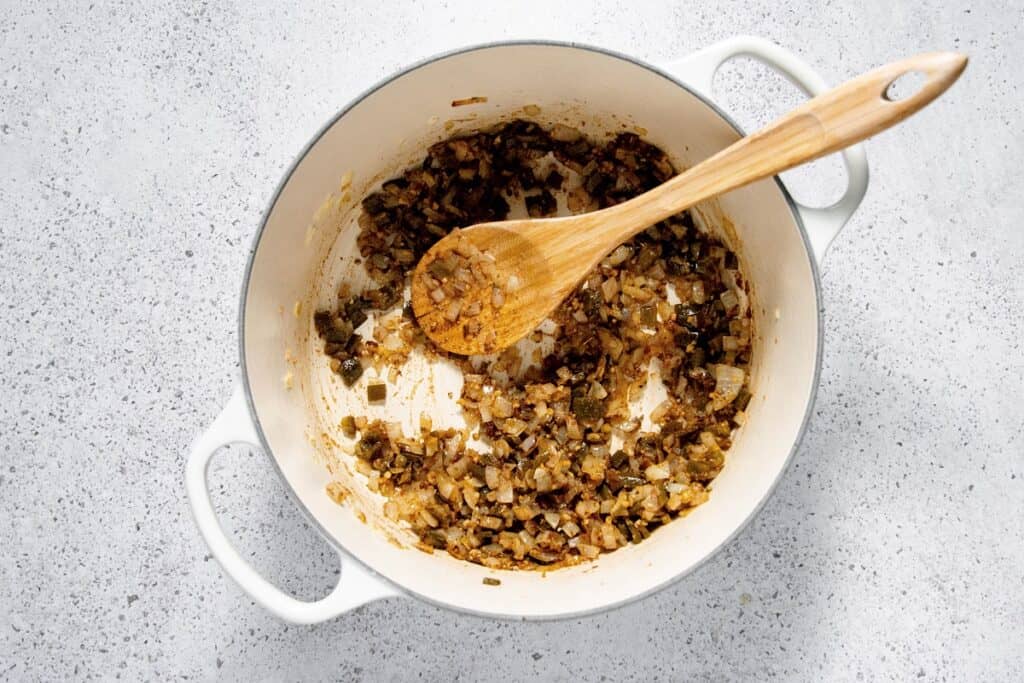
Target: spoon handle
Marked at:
836, 119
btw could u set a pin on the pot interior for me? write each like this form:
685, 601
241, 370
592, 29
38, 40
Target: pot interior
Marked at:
307, 246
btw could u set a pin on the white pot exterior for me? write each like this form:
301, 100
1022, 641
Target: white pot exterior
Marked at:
387, 128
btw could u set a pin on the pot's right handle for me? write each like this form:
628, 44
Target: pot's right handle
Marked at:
698, 71
356, 585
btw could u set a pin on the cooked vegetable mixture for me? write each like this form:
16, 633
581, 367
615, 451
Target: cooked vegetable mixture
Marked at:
554, 467
463, 281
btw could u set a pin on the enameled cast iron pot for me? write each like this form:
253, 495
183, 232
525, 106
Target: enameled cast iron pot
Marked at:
284, 405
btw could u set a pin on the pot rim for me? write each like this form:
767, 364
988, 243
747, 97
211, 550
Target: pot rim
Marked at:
337, 544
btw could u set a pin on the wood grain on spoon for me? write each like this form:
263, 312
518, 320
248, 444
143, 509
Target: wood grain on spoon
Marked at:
549, 257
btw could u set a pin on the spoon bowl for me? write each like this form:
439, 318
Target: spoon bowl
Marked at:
515, 250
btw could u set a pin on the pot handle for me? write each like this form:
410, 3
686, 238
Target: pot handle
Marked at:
355, 587
698, 71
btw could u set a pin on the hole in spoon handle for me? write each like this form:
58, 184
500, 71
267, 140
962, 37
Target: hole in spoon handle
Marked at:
916, 81
904, 86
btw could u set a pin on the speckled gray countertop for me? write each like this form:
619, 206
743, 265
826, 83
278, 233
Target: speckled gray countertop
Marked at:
138, 147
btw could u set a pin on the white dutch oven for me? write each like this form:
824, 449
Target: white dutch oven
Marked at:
288, 404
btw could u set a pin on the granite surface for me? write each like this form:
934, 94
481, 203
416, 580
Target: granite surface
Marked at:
139, 144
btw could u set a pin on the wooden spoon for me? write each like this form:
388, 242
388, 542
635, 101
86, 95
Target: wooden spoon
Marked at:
549, 257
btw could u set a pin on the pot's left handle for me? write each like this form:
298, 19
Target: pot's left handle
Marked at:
356, 586
698, 71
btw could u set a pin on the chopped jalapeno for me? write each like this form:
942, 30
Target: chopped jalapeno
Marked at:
686, 315
629, 481
742, 399
354, 312
649, 315
369, 447
592, 302
619, 459
586, 408
439, 269
648, 255
377, 392
351, 370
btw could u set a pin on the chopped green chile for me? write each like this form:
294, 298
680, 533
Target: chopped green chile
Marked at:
592, 302
351, 370
686, 314
585, 408
619, 459
629, 481
354, 311
439, 269
339, 332
377, 392
540, 205
436, 539
685, 337
630, 531
370, 447
649, 315
648, 255
554, 180
742, 399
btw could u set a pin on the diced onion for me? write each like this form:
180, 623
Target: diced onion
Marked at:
394, 430
729, 299
491, 476
657, 472
504, 493
564, 133
454, 308
501, 407
728, 382
619, 256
